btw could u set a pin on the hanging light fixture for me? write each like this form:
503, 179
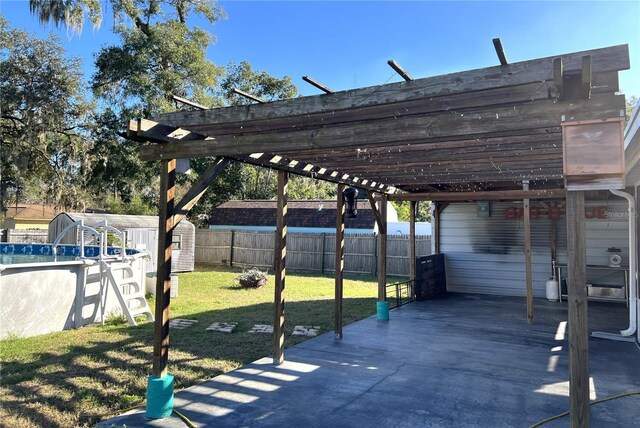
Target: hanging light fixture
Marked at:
351, 197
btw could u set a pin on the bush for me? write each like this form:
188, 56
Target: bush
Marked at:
253, 277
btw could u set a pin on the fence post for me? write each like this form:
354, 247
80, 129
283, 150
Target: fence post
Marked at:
231, 249
322, 252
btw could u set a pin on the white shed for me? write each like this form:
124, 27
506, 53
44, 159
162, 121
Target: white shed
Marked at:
142, 232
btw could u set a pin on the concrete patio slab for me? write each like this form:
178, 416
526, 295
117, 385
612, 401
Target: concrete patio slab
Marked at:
458, 361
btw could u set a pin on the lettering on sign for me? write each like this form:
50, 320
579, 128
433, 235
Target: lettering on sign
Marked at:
551, 212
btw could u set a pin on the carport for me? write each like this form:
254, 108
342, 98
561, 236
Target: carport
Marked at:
495, 133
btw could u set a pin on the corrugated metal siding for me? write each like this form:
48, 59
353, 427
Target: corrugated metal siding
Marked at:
601, 235
486, 255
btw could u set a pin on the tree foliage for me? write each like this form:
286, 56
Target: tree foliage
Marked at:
403, 209
44, 119
160, 53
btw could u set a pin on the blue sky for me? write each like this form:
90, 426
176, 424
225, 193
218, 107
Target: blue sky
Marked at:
346, 44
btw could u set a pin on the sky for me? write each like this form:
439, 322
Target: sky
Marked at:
345, 45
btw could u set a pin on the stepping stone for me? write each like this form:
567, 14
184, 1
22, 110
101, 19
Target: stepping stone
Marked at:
223, 327
306, 330
262, 328
180, 323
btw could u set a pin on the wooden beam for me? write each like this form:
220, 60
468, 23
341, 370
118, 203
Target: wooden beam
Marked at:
586, 76
527, 259
280, 269
163, 275
577, 303
316, 172
145, 130
339, 266
189, 102
413, 206
317, 84
382, 252
497, 44
400, 70
613, 58
489, 195
198, 189
403, 129
248, 95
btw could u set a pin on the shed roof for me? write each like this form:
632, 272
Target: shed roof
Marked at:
315, 213
482, 129
122, 221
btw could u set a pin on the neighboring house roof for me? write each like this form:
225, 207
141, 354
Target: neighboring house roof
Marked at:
318, 213
122, 221
31, 212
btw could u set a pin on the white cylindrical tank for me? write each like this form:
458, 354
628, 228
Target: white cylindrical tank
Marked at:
552, 290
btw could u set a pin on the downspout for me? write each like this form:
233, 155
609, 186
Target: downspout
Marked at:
633, 289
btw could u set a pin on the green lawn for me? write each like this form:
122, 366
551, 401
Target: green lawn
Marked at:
76, 377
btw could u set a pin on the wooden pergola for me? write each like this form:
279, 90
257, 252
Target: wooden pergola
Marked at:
487, 134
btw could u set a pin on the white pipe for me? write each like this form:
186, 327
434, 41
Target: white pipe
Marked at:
633, 288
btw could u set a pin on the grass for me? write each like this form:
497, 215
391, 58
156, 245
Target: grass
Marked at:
76, 377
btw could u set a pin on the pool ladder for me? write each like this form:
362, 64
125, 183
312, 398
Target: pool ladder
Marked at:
127, 289
115, 269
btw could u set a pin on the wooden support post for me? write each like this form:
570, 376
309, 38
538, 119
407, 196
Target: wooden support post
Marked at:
280, 271
436, 228
412, 246
527, 259
577, 302
382, 251
339, 261
163, 279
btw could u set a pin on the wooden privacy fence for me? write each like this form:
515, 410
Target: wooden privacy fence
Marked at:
25, 236
305, 251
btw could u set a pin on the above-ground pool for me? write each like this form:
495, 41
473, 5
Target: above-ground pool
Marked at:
42, 292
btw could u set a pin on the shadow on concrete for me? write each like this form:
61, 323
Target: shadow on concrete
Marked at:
457, 361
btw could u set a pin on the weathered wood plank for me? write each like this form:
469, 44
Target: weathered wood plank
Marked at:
435, 151
613, 58
280, 269
408, 130
578, 321
494, 195
147, 130
163, 277
339, 264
